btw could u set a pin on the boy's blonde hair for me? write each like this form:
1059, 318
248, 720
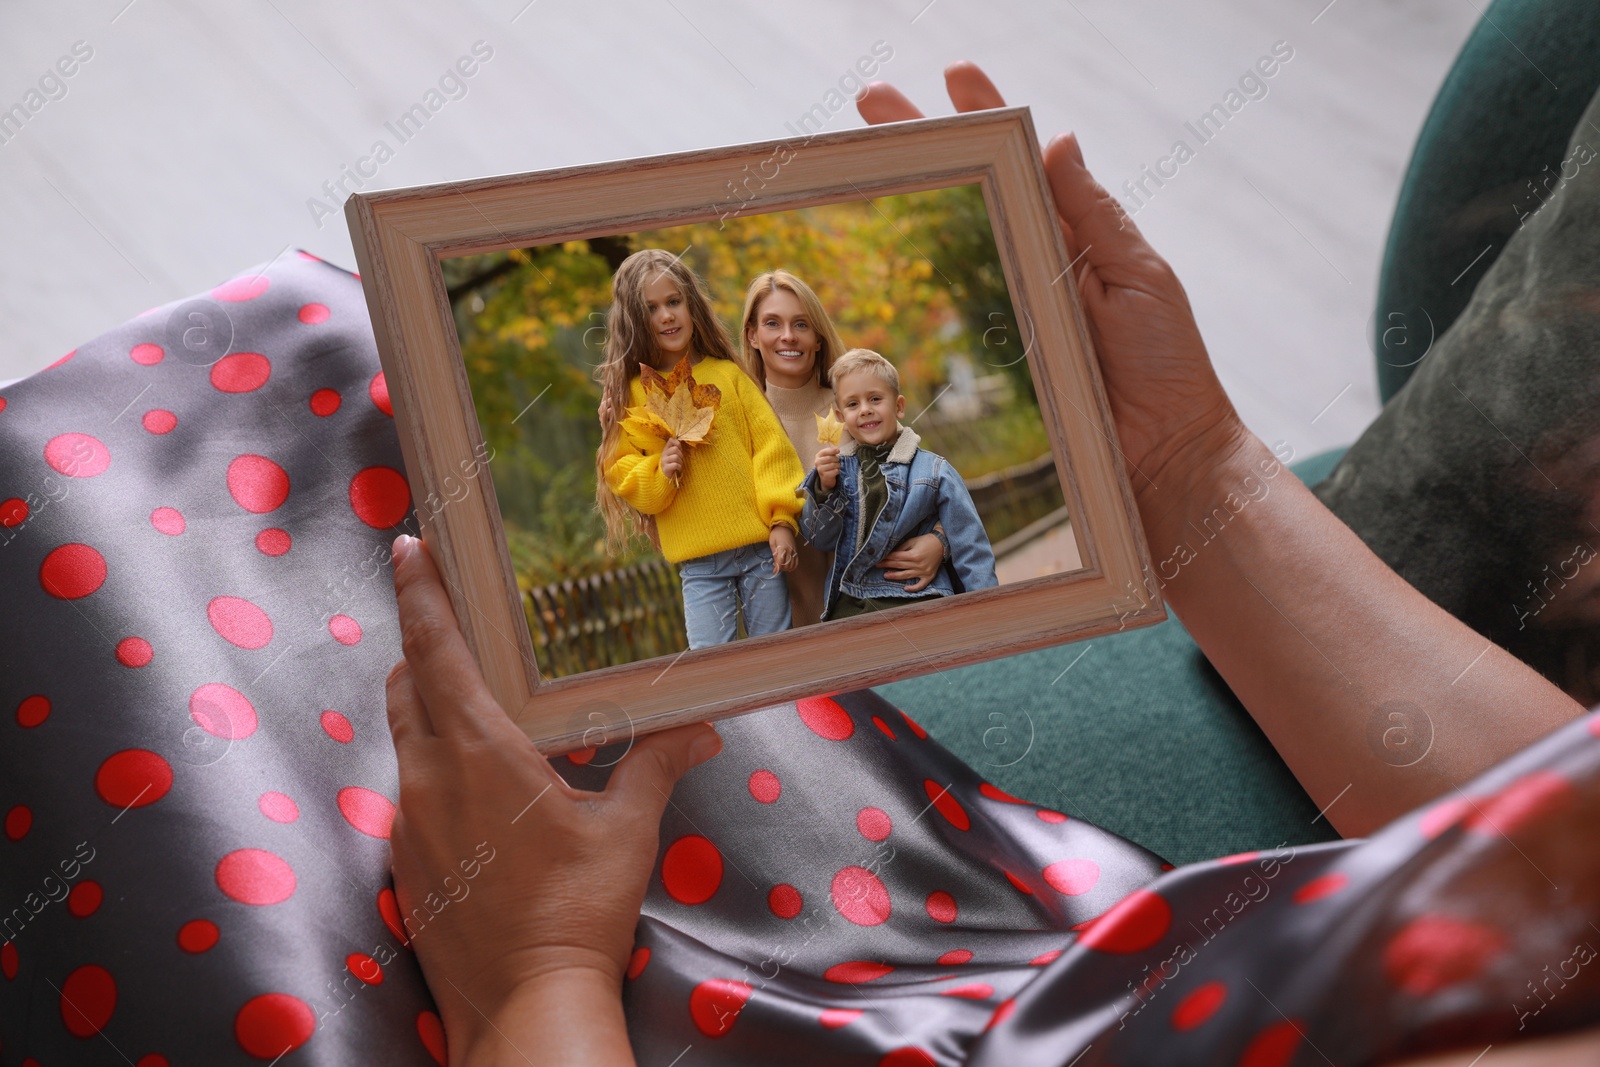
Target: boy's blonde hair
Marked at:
763, 286
865, 359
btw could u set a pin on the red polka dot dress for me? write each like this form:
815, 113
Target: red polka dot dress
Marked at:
197, 786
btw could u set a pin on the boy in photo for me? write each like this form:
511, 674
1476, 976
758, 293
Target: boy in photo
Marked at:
877, 488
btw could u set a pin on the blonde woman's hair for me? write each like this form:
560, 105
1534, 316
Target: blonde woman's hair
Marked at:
631, 342
763, 286
865, 359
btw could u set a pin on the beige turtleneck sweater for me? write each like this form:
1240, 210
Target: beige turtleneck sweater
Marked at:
797, 409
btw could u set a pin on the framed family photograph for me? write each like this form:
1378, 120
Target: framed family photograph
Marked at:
696, 434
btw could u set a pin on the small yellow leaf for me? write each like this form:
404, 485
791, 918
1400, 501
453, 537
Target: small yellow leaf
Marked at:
829, 429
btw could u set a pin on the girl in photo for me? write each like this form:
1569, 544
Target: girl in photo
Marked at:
724, 510
790, 345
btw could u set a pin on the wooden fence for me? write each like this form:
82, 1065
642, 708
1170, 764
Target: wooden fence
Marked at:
634, 613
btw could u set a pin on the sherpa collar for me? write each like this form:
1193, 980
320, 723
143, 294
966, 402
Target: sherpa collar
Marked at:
905, 446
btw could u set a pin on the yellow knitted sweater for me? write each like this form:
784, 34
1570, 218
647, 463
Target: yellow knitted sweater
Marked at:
736, 485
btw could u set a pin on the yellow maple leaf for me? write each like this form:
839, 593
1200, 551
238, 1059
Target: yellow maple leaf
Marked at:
675, 405
829, 428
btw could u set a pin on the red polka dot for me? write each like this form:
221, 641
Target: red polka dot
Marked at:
1198, 1006
1273, 1047
1001, 1014
1074, 877
278, 807
2, 403
345, 630
33, 711
77, 455
834, 1018
856, 972
691, 870
88, 997
257, 484
860, 896
147, 355
941, 906
1046, 958
152, 1059
308, 256
995, 793
947, 805
1324, 885
84, 899
826, 718
378, 391
765, 787
880, 724
72, 571
389, 910
371, 813
19, 820
1594, 720
222, 711
1018, 884
14, 512
325, 402
240, 289
159, 421
364, 967
312, 314
133, 778
1237, 859
338, 727
1046, 815
272, 1024
638, 961
273, 541
1534, 797
134, 652
242, 372
874, 823
1434, 952
239, 622
1137, 922
1443, 815
912, 723
716, 1003
198, 935
907, 1056
581, 758
784, 901
955, 957
8, 961
969, 991
380, 497
169, 521
430, 1031
255, 876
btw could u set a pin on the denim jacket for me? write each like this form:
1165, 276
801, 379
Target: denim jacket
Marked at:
924, 489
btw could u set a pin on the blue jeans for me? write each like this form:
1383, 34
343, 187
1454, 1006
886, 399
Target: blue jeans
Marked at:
717, 587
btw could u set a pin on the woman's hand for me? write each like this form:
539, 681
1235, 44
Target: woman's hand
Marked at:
917, 558
827, 467
520, 894
672, 459
785, 553
1165, 397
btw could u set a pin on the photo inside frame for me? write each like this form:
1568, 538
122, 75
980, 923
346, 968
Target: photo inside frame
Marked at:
915, 277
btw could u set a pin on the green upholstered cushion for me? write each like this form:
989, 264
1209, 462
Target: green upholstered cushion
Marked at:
1133, 731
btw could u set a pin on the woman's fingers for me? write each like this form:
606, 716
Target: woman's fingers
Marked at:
442, 669
970, 88
408, 719
881, 102
644, 779
1106, 236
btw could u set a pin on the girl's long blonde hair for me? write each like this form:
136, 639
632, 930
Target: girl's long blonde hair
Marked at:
763, 286
630, 342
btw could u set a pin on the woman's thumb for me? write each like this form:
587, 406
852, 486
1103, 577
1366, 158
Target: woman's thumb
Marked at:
655, 763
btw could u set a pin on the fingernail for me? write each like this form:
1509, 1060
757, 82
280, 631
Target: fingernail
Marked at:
705, 746
402, 547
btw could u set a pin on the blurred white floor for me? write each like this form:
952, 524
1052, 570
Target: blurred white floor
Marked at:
194, 140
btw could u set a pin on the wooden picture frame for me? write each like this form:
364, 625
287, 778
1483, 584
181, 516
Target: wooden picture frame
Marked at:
402, 235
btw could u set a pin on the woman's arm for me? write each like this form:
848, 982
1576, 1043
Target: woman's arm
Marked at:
520, 893
1320, 640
